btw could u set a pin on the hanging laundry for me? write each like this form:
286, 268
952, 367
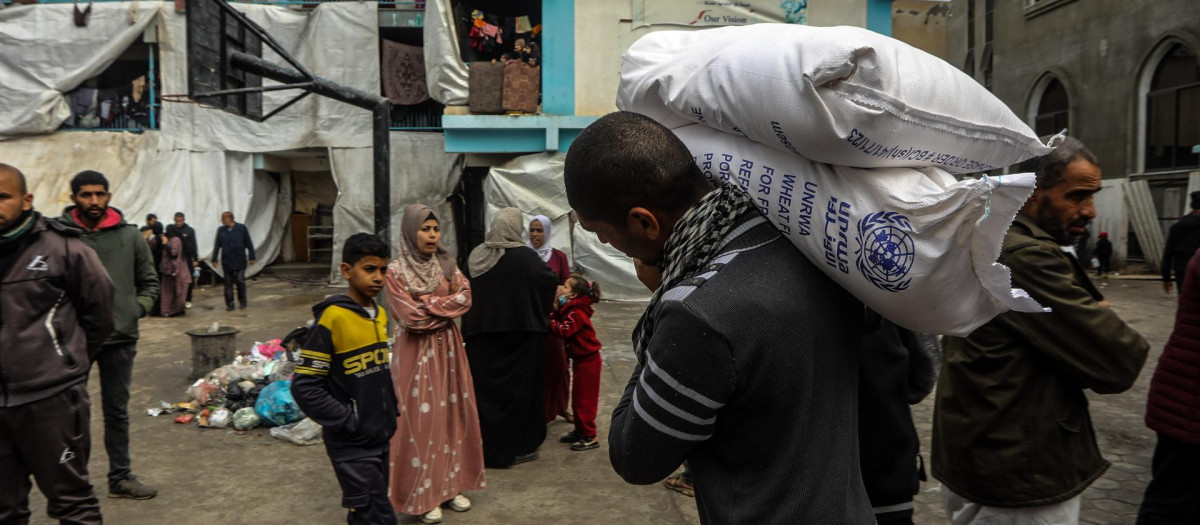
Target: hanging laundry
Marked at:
523, 25
81, 17
404, 74
493, 32
536, 29
139, 88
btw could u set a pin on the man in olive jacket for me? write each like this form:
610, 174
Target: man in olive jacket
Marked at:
130, 264
1012, 438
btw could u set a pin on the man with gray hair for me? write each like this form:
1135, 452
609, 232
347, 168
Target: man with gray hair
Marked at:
1012, 439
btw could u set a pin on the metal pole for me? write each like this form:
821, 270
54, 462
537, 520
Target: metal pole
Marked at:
382, 115
381, 110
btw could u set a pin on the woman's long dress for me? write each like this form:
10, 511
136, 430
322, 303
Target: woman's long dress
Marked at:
437, 451
558, 372
176, 276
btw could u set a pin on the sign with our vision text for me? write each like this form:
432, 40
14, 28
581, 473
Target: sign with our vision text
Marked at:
704, 13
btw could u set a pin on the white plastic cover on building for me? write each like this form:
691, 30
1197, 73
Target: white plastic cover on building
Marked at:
445, 71
144, 179
337, 40
421, 172
43, 55
534, 184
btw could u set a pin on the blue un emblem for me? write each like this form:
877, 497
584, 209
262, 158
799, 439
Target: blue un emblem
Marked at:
885, 250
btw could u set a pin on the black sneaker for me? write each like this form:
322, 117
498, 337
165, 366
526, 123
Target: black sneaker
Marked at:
585, 444
524, 458
229, 308
131, 488
570, 437
243, 306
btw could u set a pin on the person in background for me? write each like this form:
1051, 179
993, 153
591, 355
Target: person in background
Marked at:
1183, 240
1013, 442
130, 265
342, 381
572, 322
898, 369
748, 354
191, 253
153, 230
1173, 412
230, 249
47, 273
1103, 254
558, 376
176, 275
505, 332
437, 453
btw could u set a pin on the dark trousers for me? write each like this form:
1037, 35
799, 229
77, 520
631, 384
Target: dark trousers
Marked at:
48, 439
116, 376
585, 392
365, 490
1105, 263
1173, 496
233, 277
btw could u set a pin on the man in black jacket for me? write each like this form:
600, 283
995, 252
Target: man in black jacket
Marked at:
747, 354
190, 252
55, 312
230, 248
1182, 242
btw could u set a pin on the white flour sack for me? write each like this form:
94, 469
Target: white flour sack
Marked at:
913, 244
838, 95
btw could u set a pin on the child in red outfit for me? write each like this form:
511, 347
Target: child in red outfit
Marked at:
573, 323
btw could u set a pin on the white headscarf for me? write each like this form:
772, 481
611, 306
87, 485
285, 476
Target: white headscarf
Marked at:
546, 250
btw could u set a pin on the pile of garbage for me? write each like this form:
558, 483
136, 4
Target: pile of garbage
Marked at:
254, 390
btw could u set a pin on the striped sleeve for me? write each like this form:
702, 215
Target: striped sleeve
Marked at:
672, 402
310, 385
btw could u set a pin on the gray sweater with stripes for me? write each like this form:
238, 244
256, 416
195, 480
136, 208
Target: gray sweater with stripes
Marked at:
751, 377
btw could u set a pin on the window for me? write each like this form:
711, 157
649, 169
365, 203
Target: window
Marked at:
123, 97
1053, 110
969, 64
1173, 111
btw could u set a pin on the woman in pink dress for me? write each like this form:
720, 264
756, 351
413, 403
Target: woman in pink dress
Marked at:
176, 276
437, 452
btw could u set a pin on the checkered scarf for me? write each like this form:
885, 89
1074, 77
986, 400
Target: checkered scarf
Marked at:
693, 242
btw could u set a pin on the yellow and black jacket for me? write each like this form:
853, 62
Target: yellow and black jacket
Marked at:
343, 380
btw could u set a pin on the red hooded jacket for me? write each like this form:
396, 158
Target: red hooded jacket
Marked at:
1173, 407
573, 324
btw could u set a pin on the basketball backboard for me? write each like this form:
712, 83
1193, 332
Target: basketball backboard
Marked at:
213, 34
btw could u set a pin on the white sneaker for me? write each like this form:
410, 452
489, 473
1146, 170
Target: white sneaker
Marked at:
187, 306
433, 516
460, 503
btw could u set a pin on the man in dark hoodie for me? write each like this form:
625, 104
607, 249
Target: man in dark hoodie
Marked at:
1182, 242
130, 265
46, 273
342, 382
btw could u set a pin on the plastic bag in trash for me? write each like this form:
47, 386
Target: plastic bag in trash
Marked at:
268, 349
246, 386
220, 418
306, 432
245, 419
201, 390
283, 371
276, 405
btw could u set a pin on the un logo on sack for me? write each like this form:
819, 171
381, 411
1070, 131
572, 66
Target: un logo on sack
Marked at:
885, 250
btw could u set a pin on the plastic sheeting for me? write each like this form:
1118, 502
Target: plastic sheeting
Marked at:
337, 40
144, 179
445, 71
45, 55
421, 172
534, 184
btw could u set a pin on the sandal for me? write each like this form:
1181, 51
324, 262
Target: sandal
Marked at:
567, 416
677, 484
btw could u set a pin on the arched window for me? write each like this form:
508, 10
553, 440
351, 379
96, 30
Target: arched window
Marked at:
1173, 111
1053, 110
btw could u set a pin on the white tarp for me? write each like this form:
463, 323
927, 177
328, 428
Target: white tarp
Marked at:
445, 71
534, 184
145, 180
337, 40
43, 55
699, 13
421, 172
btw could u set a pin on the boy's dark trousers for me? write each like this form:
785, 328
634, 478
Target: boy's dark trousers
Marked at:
50, 440
364, 484
1174, 494
585, 392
